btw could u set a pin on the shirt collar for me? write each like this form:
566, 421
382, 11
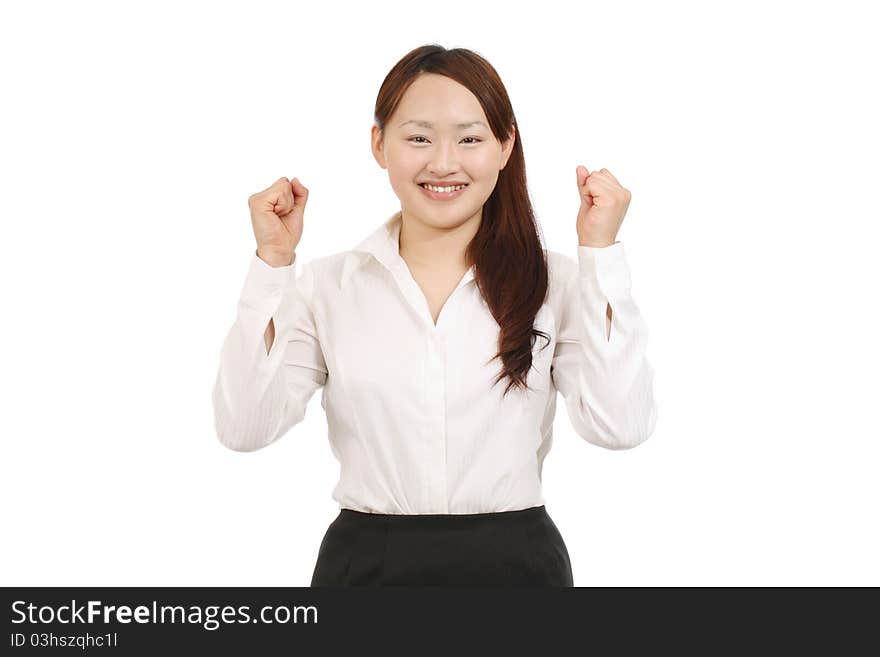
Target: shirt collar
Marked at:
384, 245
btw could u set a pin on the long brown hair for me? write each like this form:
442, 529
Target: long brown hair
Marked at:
510, 268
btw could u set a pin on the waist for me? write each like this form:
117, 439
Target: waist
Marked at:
441, 519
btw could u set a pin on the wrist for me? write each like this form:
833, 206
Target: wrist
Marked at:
595, 243
275, 258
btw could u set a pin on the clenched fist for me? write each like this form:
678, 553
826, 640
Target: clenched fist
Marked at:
604, 202
277, 219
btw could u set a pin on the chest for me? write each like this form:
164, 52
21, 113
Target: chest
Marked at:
384, 356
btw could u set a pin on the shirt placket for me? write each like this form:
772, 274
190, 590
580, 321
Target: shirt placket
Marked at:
435, 498
435, 372
435, 388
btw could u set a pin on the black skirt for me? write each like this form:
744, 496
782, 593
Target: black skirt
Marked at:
507, 548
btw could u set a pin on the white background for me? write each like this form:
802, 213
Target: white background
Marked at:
133, 134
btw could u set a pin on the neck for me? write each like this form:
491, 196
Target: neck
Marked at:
436, 247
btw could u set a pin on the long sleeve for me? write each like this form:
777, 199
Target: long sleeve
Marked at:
257, 396
607, 382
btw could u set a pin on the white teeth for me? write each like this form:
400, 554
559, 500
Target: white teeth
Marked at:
444, 190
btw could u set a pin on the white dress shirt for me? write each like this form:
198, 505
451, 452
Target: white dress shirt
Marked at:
412, 416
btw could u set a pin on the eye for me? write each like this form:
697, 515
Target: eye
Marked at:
477, 139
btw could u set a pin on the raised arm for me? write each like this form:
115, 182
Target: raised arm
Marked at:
600, 364
259, 396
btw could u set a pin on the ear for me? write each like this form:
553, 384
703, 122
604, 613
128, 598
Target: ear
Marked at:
507, 147
377, 143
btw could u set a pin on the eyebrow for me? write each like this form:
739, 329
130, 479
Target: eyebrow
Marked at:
428, 124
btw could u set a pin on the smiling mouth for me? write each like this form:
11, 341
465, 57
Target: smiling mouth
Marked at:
424, 186
451, 195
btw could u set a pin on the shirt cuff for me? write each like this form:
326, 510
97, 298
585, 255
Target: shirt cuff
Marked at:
264, 285
607, 266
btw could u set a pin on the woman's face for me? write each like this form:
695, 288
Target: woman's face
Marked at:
451, 149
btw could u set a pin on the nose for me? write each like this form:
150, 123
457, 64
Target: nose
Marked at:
444, 161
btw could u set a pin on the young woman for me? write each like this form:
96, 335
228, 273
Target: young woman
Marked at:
440, 480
